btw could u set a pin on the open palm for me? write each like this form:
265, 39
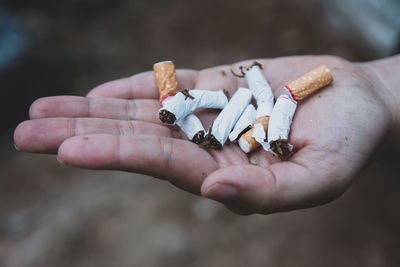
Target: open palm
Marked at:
117, 127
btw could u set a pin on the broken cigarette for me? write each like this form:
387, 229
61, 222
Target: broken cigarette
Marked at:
264, 97
227, 119
183, 103
192, 127
244, 123
168, 87
285, 107
248, 142
279, 127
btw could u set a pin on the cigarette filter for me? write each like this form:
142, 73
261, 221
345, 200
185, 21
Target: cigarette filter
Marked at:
192, 127
248, 142
227, 118
166, 79
184, 103
244, 123
309, 83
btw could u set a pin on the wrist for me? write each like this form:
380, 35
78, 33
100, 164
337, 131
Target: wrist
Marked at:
385, 75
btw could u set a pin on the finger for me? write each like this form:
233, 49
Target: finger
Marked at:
46, 135
109, 108
181, 162
308, 180
140, 86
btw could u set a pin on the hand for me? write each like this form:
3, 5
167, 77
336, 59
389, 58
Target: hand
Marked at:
117, 127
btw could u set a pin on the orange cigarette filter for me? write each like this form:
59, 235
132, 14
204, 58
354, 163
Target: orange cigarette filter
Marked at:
248, 136
310, 82
166, 79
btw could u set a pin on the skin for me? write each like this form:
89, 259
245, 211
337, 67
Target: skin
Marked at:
333, 132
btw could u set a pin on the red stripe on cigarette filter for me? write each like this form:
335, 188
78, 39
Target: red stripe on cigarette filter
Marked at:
290, 98
162, 100
290, 92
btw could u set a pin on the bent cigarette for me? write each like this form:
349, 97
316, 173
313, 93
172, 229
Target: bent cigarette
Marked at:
261, 91
227, 119
183, 103
264, 97
247, 141
285, 107
192, 127
244, 123
168, 87
279, 127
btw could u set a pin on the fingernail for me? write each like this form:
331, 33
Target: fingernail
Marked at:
221, 192
15, 146
60, 161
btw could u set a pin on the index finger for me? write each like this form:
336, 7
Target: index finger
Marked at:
141, 86
180, 162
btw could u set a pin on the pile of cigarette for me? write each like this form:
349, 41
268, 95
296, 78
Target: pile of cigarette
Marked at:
268, 125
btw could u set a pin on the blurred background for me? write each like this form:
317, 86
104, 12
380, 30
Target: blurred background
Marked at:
53, 215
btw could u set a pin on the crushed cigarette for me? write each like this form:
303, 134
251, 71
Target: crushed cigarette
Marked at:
279, 127
285, 107
261, 91
168, 87
264, 97
183, 103
247, 141
227, 119
244, 123
192, 127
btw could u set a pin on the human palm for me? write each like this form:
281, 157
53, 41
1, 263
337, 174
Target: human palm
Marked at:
117, 127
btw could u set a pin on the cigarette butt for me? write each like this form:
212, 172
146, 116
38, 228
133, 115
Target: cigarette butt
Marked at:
192, 127
247, 142
244, 123
227, 119
185, 102
166, 79
279, 127
310, 82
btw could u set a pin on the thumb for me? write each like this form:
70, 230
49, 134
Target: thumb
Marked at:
244, 189
247, 189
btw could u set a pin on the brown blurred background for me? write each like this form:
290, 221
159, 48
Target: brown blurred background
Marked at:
53, 215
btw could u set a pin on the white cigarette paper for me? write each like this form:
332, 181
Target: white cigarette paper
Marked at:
190, 125
280, 120
228, 117
244, 145
259, 133
261, 91
247, 119
181, 105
